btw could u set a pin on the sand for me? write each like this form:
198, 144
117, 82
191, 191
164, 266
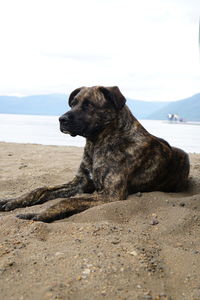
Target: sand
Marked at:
146, 247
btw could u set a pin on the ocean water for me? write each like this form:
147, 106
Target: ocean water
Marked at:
45, 130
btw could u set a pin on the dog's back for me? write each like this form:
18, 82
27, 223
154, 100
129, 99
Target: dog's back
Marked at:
180, 167
178, 170
156, 164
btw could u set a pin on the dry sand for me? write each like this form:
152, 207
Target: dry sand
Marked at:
146, 247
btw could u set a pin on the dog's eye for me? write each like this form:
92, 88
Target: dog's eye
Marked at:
86, 104
73, 102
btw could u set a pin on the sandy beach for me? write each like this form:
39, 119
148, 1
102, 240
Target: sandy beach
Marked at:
147, 247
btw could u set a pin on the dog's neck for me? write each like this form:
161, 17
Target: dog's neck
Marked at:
124, 125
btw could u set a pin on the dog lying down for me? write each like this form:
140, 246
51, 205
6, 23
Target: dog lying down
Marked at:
120, 158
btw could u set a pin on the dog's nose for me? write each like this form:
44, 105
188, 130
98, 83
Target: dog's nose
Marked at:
66, 117
62, 119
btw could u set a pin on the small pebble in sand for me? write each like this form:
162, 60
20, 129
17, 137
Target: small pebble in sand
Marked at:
86, 271
134, 253
115, 241
59, 253
23, 166
154, 222
103, 293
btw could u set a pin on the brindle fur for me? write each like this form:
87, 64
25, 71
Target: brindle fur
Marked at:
120, 157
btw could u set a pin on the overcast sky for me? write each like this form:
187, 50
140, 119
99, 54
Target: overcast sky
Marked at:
149, 48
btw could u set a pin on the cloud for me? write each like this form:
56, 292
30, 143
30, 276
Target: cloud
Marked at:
148, 48
84, 57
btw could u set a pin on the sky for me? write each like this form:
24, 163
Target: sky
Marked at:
149, 48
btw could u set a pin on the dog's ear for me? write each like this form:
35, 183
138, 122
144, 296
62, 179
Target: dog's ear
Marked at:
114, 95
73, 94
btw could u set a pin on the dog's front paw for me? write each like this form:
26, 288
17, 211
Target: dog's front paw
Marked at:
2, 204
33, 217
7, 204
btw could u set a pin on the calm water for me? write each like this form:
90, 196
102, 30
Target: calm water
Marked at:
45, 130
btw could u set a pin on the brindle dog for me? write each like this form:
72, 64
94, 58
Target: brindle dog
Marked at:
120, 157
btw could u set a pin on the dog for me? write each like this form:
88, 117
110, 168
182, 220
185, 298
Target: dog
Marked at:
120, 158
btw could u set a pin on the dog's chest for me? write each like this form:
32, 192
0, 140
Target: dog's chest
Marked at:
98, 168
103, 165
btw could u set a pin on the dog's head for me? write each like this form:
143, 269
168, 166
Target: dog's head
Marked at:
92, 109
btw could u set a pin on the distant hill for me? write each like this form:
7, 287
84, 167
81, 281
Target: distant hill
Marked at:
57, 104
188, 109
52, 104
142, 109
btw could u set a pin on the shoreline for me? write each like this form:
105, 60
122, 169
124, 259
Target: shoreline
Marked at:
70, 146
36, 144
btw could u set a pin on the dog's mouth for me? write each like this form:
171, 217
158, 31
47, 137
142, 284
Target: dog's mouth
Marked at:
72, 131
65, 131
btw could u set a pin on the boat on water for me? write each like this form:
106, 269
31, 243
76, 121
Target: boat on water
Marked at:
176, 119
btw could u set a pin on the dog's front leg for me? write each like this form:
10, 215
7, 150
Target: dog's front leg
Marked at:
114, 190
66, 208
43, 194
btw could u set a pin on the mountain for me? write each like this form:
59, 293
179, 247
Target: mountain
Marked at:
142, 109
188, 109
52, 104
57, 104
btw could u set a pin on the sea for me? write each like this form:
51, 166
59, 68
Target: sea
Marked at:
45, 130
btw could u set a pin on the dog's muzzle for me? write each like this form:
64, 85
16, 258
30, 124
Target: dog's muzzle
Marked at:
66, 121
69, 123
